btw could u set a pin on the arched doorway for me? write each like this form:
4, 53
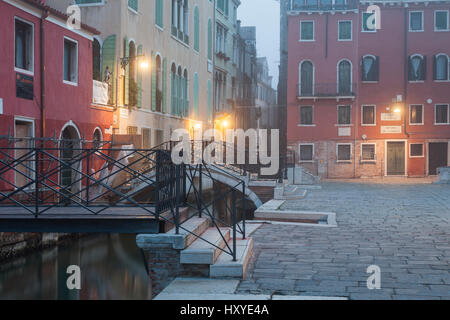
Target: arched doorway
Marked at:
69, 149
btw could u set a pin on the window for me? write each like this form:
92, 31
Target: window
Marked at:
345, 78
416, 150
345, 30
306, 79
159, 13
441, 67
133, 5
306, 115
417, 68
368, 152
96, 60
180, 20
368, 115
441, 111
306, 152
132, 130
441, 21
223, 6
416, 114
70, 61
24, 45
344, 152
210, 40
344, 115
369, 22
370, 68
306, 30
221, 39
416, 21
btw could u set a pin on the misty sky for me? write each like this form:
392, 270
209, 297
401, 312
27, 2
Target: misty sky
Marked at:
265, 15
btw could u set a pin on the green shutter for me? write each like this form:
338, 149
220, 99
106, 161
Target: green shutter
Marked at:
209, 112
153, 81
164, 85
209, 39
196, 101
139, 79
159, 13
196, 30
172, 92
109, 60
126, 97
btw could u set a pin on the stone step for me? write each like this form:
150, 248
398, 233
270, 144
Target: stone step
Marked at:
194, 226
225, 267
202, 252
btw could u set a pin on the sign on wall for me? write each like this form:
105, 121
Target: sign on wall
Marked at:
391, 117
391, 129
24, 86
345, 132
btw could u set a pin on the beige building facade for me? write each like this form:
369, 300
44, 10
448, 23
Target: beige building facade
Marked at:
155, 58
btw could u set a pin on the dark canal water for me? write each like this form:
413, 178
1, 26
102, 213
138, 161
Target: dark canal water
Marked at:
111, 268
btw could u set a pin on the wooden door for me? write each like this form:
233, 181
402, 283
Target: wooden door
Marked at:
396, 159
438, 157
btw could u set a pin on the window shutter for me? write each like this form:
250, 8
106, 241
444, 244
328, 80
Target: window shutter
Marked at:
410, 69
377, 69
153, 81
434, 67
164, 85
126, 98
139, 79
424, 68
109, 60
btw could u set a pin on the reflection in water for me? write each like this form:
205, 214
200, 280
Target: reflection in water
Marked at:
111, 268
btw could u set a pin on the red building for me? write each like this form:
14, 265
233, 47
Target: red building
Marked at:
40, 103
369, 90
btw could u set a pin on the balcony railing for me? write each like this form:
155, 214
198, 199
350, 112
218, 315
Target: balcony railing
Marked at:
327, 90
323, 5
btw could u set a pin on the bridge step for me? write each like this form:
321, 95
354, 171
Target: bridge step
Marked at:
225, 267
202, 252
195, 226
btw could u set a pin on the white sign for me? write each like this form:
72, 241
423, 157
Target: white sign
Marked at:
345, 132
391, 129
124, 113
391, 117
1, 106
100, 92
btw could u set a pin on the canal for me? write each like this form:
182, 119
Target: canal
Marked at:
111, 268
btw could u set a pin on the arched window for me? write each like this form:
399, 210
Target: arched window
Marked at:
306, 79
417, 68
159, 13
133, 86
370, 67
180, 91
441, 67
96, 138
185, 94
344, 78
196, 29
96, 60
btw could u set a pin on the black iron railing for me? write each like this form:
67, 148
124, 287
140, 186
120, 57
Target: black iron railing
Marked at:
43, 178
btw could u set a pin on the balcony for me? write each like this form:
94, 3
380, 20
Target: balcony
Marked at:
323, 5
327, 91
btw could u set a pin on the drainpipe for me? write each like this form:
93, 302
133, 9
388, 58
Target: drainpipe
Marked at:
44, 16
406, 66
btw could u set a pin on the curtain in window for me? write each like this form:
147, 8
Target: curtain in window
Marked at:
306, 79
368, 63
20, 48
441, 68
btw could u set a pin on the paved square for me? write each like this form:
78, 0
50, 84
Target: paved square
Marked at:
403, 228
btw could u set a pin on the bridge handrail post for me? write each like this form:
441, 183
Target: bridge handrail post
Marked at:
200, 190
177, 198
233, 208
88, 176
36, 181
244, 211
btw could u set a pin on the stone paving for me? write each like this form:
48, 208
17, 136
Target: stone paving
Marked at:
404, 228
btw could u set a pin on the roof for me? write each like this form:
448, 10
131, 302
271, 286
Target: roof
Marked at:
43, 6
